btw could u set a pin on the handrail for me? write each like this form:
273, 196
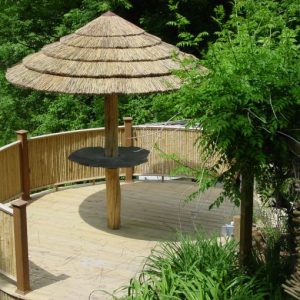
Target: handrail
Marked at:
48, 154
166, 127
6, 209
62, 133
5, 147
10, 183
7, 243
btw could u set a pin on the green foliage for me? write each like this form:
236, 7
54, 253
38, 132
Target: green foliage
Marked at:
26, 26
248, 102
195, 268
184, 17
151, 108
273, 268
186, 39
193, 22
87, 11
71, 112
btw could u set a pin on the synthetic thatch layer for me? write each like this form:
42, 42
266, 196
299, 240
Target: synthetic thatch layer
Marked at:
151, 53
41, 63
107, 56
93, 86
134, 41
109, 24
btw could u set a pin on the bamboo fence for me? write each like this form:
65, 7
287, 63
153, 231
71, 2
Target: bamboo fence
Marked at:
49, 164
48, 157
10, 184
48, 154
7, 244
4, 296
159, 140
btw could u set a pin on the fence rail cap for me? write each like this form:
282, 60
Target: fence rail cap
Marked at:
7, 209
9, 145
167, 127
22, 131
70, 132
127, 119
19, 203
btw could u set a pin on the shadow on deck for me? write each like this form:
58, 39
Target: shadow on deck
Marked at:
72, 252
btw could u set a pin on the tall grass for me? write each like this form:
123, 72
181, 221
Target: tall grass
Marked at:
195, 269
273, 265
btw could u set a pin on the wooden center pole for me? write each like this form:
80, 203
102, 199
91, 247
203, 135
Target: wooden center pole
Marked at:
113, 190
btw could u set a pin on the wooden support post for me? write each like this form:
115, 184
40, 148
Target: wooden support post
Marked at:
246, 218
128, 142
24, 164
113, 190
21, 246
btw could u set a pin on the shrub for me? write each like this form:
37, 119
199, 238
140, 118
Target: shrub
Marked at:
195, 268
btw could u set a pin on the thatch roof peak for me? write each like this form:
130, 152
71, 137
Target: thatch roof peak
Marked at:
112, 26
106, 56
108, 14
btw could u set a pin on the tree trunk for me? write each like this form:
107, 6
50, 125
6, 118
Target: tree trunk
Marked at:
246, 218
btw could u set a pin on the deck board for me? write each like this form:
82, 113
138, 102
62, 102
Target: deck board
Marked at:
72, 253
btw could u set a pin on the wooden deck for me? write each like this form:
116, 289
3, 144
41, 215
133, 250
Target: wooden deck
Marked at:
72, 253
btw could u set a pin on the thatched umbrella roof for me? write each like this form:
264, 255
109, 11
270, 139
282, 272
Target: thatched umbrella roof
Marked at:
107, 56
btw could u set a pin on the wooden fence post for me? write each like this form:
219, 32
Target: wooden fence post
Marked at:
24, 164
128, 142
21, 245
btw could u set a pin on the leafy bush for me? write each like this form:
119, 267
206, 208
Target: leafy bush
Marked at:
195, 268
272, 263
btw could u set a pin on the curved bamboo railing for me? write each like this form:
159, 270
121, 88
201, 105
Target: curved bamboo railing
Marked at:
48, 157
10, 183
49, 164
48, 154
178, 141
7, 242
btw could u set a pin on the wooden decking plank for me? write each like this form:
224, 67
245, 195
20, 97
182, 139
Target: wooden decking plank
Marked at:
70, 246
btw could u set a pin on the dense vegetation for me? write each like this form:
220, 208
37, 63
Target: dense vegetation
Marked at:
248, 108
248, 102
195, 268
247, 105
27, 25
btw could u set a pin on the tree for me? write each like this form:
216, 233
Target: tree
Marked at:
28, 25
25, 27
167, 19
248, 102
